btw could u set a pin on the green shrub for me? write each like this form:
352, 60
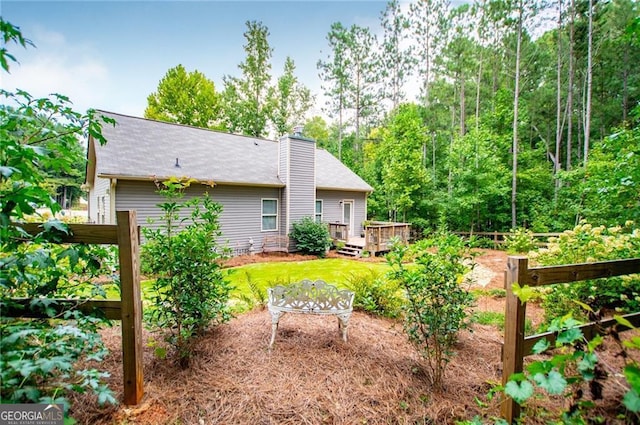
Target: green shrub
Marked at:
520, 241
374, 294
311, 237
437, 303
575, 371
44, 360
586, 244
475, 241
190, 292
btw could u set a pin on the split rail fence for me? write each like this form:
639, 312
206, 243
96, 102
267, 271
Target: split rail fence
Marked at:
128, 309
499, 238
516, 345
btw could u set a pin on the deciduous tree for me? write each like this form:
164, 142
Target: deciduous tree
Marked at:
187, 98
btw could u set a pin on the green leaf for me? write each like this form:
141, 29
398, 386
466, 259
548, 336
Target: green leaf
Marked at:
632, 373
519, 391
542, 367
541, 346
568, 336
633, 342
595, 342
553, 383
56, 226
524, 293
105, 395
160, 352
624, 322
587, 364
631, 401
583, 305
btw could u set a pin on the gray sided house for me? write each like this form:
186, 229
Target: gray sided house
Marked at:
263, 186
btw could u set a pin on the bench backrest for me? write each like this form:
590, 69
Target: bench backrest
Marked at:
308, 295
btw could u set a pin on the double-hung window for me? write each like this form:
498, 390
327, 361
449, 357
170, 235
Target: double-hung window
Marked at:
269, 214
318, 211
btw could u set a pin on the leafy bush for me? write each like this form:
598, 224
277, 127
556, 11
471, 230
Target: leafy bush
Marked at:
311, 237
39, 356
190, 291
574, 371
374, 294
437, 303
475, 241
520, 241
586, 243
43, 360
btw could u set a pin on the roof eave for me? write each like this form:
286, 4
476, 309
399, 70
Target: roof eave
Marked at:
202, 181
345, 189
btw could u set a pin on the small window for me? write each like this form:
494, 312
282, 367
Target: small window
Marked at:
269, 214
318, 210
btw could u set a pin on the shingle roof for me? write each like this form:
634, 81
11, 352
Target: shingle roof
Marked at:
141, 148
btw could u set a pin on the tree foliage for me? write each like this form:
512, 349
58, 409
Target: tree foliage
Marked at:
40, 357
187, 98
475, 145
247, 99
292, 100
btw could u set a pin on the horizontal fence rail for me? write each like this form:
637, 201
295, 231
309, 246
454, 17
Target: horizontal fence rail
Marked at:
499, 238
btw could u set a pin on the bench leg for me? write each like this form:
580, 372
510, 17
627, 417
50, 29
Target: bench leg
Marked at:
275, 318
343, 324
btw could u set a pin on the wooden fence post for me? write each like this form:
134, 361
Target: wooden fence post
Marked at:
514, 320
131, 306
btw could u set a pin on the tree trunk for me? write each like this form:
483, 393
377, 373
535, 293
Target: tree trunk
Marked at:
478, 82
625, 86
587, 115
557, 161
462, 107
516, 99
570, 83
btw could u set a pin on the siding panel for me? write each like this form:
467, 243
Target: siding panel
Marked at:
301, 179
99, 202
332, 209
240, 219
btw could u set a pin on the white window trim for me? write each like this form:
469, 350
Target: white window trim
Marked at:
315, 213
262, 214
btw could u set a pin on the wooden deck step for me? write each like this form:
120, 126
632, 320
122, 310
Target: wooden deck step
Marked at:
351, 250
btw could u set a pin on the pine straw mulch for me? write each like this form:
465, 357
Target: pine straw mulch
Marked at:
312, 377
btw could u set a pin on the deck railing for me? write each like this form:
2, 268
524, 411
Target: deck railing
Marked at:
379, 234
339, 231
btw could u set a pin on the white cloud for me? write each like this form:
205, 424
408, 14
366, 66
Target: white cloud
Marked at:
57, 65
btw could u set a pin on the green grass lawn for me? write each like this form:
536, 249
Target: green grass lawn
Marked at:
331, 270
263, 275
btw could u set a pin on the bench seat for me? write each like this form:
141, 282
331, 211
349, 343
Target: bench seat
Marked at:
307, 297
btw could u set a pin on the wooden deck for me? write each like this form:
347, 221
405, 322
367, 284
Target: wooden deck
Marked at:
357, 241
377, 236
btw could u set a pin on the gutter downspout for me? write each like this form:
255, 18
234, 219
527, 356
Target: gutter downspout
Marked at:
112, 201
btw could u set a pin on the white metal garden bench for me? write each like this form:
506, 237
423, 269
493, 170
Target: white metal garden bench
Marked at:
310, 298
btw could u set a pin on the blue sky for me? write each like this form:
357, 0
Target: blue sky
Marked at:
112, 54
